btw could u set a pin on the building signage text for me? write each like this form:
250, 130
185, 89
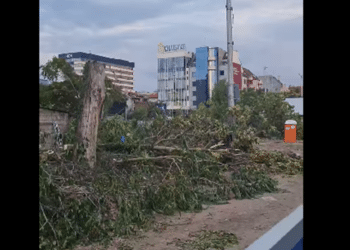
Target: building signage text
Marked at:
166, 48
174, 47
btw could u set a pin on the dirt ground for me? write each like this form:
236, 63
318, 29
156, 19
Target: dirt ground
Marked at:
279, 145
247, 219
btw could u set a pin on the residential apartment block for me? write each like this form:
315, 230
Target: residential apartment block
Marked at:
271, 83
250, 81
120, 72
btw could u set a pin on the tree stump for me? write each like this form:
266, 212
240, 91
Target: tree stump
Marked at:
90, 117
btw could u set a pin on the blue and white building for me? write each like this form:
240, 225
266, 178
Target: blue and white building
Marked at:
211, 67
186, 79
120, 72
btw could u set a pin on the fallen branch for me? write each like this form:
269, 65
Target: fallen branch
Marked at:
151, 158
170, 149
49, 223
217, 145
170, 139
205, 179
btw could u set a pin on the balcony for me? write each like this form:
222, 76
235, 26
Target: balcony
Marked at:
118, 74
121, 69
125, 80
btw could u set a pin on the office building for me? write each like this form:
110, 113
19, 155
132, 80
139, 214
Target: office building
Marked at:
120, 72
186, 79
211, 67
175, 68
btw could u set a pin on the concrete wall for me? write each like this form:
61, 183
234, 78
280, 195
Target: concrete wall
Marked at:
46, 118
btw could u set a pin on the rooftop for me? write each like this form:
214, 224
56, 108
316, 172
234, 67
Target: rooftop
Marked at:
247, 73
93, 57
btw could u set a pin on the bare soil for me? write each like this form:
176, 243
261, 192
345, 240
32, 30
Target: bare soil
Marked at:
247, 219
279, 145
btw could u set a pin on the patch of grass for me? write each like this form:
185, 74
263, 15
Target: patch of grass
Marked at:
209, 240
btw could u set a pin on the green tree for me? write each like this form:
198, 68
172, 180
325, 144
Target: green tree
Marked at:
269, 111
219, 101
113, 95
140, 114
68, 95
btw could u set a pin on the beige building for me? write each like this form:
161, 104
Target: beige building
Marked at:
120, 72
284, 88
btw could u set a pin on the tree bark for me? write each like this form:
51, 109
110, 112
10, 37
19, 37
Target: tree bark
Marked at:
90, 117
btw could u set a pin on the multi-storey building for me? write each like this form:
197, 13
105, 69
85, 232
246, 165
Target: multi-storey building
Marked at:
271, 83
207, 61
237, 68
120, 72
174, 76
186, 79
250, 81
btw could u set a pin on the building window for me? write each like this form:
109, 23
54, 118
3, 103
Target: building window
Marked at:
222, 72
193, 74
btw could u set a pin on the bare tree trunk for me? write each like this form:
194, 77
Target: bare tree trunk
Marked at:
90, 116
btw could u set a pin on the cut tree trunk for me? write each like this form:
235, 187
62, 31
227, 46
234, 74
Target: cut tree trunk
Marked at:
90, 117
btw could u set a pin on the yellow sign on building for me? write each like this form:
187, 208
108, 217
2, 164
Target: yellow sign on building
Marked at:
161, 48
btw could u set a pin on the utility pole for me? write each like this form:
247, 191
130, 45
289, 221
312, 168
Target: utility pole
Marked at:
301, 92
230, 53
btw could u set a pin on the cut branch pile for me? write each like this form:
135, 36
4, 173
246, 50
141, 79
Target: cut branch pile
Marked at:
163, 167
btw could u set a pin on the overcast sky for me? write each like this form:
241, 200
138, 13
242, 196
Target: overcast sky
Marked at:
265, 32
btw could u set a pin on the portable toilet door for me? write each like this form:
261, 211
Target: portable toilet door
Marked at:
290, 131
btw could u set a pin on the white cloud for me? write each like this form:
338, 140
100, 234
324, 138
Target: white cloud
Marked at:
119, 2
45, 57
260, 28
139, 26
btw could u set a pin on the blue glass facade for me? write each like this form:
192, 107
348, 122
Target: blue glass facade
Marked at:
201, 94
172, 79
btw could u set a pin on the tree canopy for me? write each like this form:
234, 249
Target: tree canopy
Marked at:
67, 95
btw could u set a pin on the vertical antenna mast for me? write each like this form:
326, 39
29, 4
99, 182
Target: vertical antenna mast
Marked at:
230, 53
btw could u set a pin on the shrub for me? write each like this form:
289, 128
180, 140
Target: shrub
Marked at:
277, 162
112, 130
248, 184
140, 114
269, 112
244, 135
